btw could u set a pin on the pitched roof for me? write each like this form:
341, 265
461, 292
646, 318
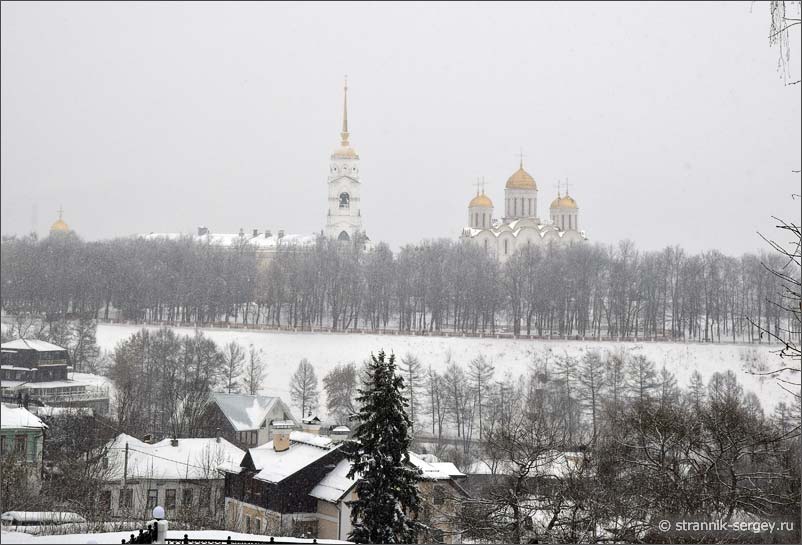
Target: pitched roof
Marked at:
19, 418
335, 484
305, 449
32, 344
192, 458
246, 412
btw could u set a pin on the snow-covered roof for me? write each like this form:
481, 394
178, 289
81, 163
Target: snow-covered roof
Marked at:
192, 458
553, 464
335, 484
58, 411
19, 418
341, 429
49, 517
521, 226
430, 471
246, 412
447, 468
236, 239
305, 448
32, 344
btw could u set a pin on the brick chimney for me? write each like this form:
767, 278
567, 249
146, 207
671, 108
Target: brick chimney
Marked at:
311, 424
281, 434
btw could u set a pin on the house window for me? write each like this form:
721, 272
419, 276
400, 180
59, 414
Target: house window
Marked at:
105, 501
153, 498
438, 495
304, 528
247, 524
20, 442
169, 499
258, 525
186, 497
126, 498
205, 496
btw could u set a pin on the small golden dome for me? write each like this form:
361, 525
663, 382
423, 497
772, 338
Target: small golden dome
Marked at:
521, 180
481, 200
563, 202
59, 226
344, 152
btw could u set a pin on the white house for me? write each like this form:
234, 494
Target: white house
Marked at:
185, 476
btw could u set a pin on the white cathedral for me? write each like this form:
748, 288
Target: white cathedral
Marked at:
520, 224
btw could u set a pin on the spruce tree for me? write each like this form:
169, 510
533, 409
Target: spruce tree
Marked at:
388, 497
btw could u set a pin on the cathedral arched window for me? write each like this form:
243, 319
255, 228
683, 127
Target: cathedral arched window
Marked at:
569, 223
343, 237
345, 200
485, 245
483, 219
505, 247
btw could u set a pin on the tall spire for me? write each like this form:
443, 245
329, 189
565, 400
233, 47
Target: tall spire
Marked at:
60, 212
344, 134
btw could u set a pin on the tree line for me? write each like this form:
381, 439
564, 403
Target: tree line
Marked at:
584, 289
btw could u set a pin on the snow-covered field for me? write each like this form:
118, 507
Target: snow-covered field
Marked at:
283, 350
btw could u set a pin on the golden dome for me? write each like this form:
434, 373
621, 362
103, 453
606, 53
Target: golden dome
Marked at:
481, 200
59, 226
521, 180
563, 202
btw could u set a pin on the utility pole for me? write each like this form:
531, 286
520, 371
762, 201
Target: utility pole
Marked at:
125, 467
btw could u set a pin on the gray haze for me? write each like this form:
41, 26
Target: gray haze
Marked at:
670, 121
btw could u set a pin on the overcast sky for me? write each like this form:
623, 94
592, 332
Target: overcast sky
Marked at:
670, 121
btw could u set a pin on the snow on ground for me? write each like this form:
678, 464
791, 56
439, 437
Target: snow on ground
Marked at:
117, 537
283, 350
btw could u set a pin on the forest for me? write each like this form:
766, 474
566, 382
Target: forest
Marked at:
584, 290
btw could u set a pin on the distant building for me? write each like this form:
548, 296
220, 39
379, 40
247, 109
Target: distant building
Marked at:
520, 224
297, 485
244, 420
185, 476
31, 360
343, 215
39, 373
22, 435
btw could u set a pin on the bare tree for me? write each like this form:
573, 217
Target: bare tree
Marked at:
591, 382
254, 371
480, 374
303, 388
410, 369
340, 385
233, 360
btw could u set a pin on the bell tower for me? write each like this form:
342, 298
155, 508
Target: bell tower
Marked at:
344, 217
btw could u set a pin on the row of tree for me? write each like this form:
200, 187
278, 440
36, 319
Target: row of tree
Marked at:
583, 289
704, 452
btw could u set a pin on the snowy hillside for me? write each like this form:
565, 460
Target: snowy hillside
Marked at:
284, 350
